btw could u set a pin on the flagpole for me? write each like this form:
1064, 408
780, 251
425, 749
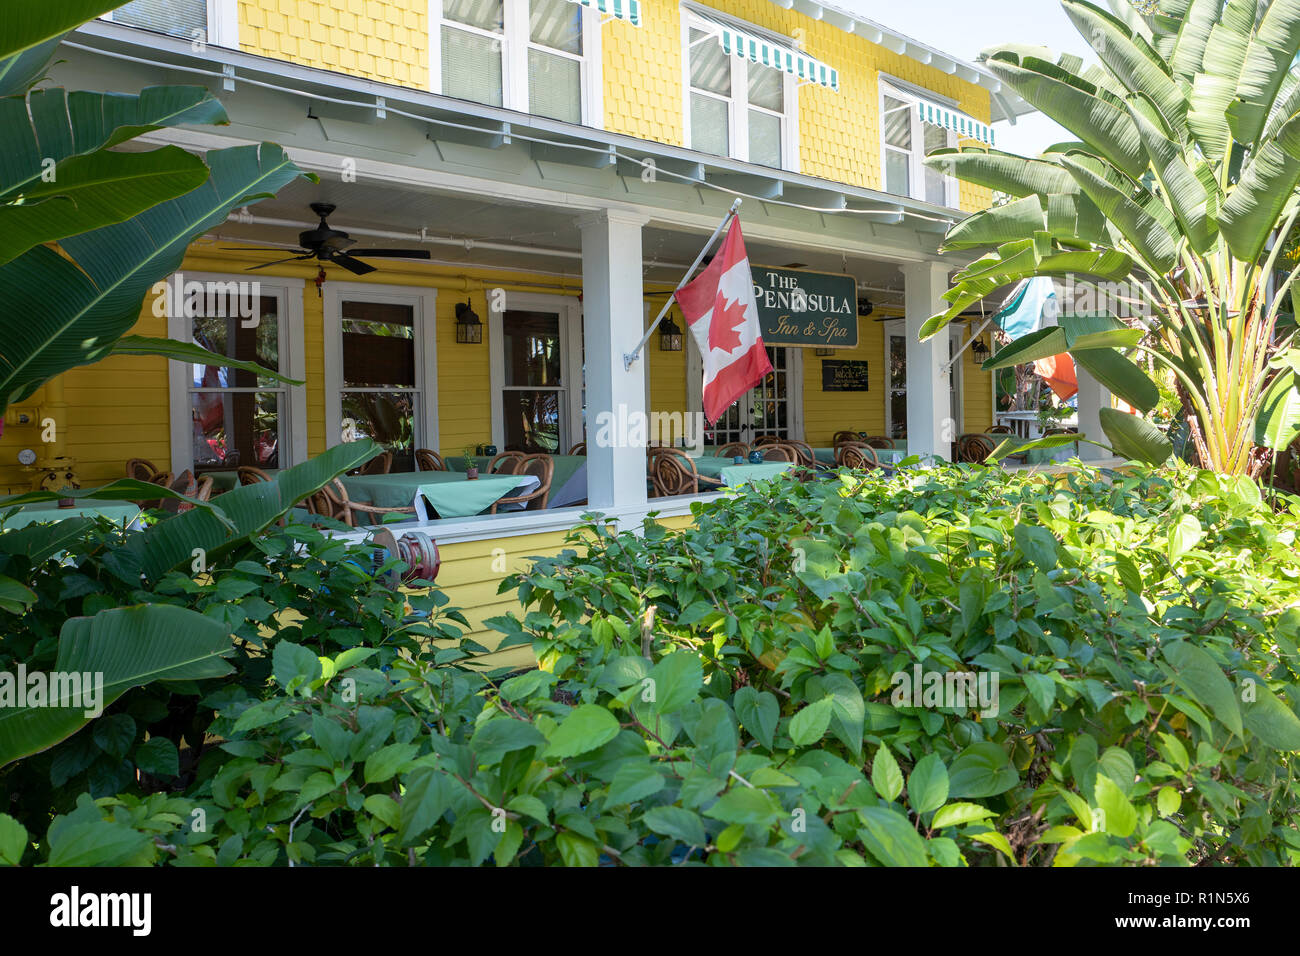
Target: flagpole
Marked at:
630, 357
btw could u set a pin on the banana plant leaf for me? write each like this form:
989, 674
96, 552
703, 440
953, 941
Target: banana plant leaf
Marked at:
19, 72
1047, 441
251, 508
1278, 423
76, 308
1119, 374
30, 23
1135, 438
126, 647
37, 543
123, 489
192, 354
96, 190
57, 125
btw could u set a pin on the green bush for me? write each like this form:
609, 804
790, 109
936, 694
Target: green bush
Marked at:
731, 694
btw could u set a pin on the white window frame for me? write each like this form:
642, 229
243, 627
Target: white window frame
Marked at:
738, 105
293, 364
794, 379
223, 23
423, 302
571, 362
516, 41
916, 168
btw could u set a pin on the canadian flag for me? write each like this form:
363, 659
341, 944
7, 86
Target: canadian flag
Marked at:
720, 308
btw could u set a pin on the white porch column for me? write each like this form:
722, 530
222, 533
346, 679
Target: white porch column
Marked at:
613, 322
930, 428
1093, 397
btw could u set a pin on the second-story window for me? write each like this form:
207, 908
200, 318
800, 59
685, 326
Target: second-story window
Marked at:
735, 106
534, 56
205, 21
907, 139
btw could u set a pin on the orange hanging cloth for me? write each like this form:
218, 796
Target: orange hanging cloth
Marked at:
1058, 372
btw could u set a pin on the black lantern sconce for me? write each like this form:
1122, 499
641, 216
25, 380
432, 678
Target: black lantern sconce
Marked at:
865, 307
469, 329
979, 350
670, 336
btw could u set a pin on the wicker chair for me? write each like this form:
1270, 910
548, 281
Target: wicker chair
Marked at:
579, 449
163, 479
543, 467
879, 441
762, 440
332, 501
248, 475
381, 464
141, 469
428, 460
779, 452
804, 454
856, 454
673, 472
732, 449
1000, 430
974, 447
506, 463
842, 436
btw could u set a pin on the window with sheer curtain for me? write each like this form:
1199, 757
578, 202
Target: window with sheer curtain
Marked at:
736, 107
906, 141
527, 55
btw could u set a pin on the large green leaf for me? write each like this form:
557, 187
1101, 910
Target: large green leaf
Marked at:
1197, 20
1120, 375
19, 72
1214, 83
1269, 57
1250, 213
1278, 423
77, 308
249, 508
29, 23
1197, 672
1130, 58
121, 489
96, 190
997, 225
1189, 196
1094, 115
53, 125
1002, 172
128, 647
1135, 438
1097, 332
1041, 344
1136, 221
191, 354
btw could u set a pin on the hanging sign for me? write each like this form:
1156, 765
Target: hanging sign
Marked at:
806, 309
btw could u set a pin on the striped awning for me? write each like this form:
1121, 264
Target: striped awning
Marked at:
958, 122
629, 10
779, 56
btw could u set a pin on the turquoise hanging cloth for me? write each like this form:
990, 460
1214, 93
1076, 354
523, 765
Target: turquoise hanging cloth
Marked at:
1022, 313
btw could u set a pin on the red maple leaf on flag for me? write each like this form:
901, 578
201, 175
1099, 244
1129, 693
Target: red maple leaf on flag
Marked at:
724, 328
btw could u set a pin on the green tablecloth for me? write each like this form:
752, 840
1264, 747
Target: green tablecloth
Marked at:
711, 466
229, 480
47, 511
568, 481
733, 475
450, 493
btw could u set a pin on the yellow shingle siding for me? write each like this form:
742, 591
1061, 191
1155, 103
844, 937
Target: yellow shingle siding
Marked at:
385, 40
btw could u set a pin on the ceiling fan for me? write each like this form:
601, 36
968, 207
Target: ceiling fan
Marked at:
333, 245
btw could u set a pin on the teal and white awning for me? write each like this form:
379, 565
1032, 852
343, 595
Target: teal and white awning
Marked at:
629, 10
958, 122
779, 56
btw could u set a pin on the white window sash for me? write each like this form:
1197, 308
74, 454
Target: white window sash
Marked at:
916, 155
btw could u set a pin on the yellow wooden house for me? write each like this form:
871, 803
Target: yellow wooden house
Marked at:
552, 167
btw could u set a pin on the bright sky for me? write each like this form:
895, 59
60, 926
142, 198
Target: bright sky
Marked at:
965, 27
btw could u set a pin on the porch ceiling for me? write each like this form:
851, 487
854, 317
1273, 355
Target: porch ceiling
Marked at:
489, 233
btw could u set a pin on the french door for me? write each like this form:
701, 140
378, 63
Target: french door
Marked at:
536, 372
896, 381
381, 367
770, 408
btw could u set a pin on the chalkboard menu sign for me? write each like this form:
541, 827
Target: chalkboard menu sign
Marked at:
806, 309
840, 376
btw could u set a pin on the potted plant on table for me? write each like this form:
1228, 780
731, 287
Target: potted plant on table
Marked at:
471, 461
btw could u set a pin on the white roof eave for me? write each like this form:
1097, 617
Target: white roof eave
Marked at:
1005, 104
